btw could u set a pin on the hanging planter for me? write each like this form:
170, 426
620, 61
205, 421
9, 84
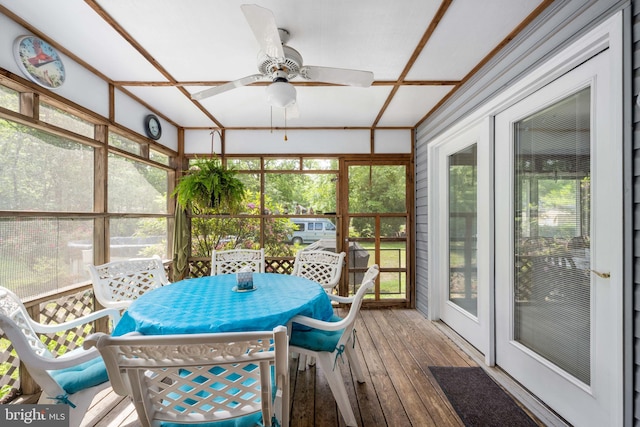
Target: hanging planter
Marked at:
208, 185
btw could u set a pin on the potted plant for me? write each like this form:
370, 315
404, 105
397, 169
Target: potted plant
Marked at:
208, 185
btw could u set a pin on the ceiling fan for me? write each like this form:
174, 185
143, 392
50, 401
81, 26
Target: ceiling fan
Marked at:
280, 63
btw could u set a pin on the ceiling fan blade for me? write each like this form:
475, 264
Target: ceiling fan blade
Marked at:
227, 86
341, 76
263, 25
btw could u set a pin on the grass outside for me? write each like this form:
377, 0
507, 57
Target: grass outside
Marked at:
392, 255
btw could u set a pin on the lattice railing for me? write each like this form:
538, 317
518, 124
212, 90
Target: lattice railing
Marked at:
279, 265
201, 266
55, 309
10, 370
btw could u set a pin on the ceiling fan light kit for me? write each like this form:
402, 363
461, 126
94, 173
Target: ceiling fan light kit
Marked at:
281, 94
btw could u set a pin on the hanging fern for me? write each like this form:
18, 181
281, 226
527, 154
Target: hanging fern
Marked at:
208, 185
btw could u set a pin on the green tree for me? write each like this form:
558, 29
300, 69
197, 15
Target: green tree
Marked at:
376, 189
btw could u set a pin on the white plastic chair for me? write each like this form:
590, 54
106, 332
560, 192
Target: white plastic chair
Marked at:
229, 262
320, 266
328, 341
73, 378
201, 378
116, 284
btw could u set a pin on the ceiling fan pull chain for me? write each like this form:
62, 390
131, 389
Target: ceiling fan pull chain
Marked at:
285, 124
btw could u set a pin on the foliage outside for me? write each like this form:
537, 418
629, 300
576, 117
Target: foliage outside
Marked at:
241, 232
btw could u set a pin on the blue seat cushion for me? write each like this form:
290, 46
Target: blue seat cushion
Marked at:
317, 339
84, 375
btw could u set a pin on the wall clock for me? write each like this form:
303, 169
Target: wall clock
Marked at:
152, 127
39, 61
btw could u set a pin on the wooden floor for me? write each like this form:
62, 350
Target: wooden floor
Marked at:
396, 348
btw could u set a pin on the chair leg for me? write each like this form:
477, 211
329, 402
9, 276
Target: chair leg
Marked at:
354, 362
334, 378
302, 362
81, 399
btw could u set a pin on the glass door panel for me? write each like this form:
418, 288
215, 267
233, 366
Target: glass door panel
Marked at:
552, 176
463, 194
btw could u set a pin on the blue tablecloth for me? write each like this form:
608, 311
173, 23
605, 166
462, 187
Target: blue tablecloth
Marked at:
208, 304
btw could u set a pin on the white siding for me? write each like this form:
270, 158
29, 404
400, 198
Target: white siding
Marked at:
636, 211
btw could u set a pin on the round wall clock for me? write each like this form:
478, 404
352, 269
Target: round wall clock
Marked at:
39, 61
152, 127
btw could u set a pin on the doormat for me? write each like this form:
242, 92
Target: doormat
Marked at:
478, 399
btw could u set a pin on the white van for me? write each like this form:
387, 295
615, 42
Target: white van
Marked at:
308, 230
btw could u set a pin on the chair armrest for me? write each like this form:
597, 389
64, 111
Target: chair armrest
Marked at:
343, 300
319, 324
31, 358
72, 358
47, 329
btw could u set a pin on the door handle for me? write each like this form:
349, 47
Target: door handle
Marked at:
601, 275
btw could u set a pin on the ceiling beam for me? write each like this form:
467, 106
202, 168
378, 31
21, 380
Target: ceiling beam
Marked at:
134, 43
444, 6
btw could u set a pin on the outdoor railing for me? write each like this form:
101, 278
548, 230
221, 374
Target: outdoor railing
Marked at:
201, 266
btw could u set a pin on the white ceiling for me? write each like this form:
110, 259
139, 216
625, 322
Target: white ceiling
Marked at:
161, 51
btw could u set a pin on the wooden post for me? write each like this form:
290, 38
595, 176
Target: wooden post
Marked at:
27, 383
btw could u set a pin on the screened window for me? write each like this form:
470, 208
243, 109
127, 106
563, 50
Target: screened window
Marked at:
136, 187
9, 99
55, 116
124, 143
300, 193
39, 255
159, 157
376, 189
40, 171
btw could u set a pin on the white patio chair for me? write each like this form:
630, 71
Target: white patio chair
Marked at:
201, 378
320, 266
73, 378
232, 261
116, 284
329, 341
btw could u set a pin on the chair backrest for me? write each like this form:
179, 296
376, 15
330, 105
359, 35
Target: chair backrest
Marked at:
199, 377
371, 274
116, 284
323, 267
232, 261
368, 282
23, 332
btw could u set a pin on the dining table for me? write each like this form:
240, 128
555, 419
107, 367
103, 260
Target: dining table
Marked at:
214, 304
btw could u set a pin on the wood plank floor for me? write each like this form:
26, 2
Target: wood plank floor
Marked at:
396, 348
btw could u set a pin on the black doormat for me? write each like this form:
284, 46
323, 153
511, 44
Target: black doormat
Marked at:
478, 399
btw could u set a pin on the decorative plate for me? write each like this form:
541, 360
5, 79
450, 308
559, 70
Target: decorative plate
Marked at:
39, 61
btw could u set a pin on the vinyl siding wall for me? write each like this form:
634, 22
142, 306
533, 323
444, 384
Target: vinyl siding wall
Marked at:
636, 210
